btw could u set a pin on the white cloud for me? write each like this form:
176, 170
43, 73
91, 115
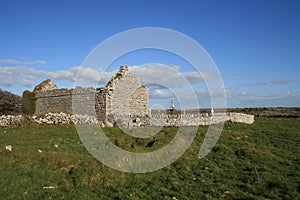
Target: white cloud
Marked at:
28, 76
292, 94
161, 94
268, 83
18, 62
158, 76
83, 75
167, 76
244, 93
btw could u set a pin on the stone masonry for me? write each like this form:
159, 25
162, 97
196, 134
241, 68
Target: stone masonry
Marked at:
124, 94
123, 102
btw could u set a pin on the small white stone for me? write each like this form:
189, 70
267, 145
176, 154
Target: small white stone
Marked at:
8, 148
49, 187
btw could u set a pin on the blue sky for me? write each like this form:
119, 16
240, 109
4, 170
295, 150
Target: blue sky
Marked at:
255, 44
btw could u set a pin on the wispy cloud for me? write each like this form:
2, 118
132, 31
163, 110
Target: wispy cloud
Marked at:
28, 76
164, 82
18, 62
161, 94
268, 83
268, 96
272, 100
167, 76
162, 76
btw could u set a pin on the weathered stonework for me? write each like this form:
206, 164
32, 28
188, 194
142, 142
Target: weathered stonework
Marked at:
198, 119
124, 93
122, 102
54, 101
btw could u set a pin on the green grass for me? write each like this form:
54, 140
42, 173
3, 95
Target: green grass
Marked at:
258, 161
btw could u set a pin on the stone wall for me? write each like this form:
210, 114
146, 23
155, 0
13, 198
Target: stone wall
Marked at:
123, 101
198, 119
84, 101
11, 120
139, 101
128, 96
163, 119
101, 104
54, 101
123, 94
130, 120
61, 100
64, 118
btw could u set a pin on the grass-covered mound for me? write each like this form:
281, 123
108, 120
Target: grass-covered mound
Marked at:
258, 161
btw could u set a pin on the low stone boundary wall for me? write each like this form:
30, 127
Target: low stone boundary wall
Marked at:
11, 120
63, 118
161, 119
49, 118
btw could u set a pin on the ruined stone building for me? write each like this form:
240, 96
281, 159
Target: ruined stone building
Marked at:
123, 102
123, 95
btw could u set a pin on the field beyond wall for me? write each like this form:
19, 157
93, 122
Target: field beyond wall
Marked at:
257, 161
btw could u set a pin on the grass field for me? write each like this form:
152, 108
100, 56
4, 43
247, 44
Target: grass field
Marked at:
258, 161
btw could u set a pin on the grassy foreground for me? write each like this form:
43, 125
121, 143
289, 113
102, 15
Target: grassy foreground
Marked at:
258, 161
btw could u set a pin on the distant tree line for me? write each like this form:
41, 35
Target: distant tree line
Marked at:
10, 104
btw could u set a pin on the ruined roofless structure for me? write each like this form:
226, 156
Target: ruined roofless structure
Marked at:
123, 94
122, 102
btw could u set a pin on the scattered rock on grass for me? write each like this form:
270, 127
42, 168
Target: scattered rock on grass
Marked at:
8, 148
49, 187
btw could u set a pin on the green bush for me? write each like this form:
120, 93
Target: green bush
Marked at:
10, 104
28, 102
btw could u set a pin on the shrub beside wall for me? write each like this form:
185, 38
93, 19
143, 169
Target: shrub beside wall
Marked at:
10, 104
28, 102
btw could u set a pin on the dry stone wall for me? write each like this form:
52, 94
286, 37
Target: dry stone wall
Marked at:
162, 119
130, 120
198, 119
65, 118
11, 120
